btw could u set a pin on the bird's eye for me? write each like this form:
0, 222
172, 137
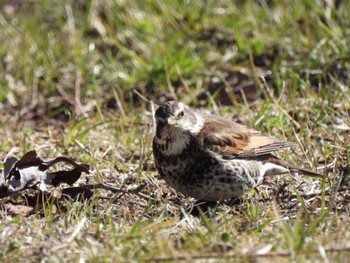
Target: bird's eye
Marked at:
181, 114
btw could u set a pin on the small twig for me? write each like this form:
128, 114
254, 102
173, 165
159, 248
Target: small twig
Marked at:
327, 165
184, 82
282, 91
119, 104
71, 24
213, 103
72, 236
301, 147
168, 81
35, 94
76, 230
336, 189
152, 107
244, 97
153, 118
64, 95
35, 89
144, 98
77, 94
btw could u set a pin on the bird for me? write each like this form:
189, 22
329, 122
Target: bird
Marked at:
211, 158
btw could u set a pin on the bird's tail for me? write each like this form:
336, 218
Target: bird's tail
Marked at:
296, 169
292, 168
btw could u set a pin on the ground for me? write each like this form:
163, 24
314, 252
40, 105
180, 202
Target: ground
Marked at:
82, 79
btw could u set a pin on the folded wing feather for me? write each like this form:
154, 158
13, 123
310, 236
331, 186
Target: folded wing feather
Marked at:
231, 138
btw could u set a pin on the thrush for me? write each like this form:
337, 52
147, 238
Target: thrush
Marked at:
212, 158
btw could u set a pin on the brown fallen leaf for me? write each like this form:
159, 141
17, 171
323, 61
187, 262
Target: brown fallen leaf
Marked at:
31, 170
16, 209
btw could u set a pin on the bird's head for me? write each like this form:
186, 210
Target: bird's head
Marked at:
170, 113
176, 123
176, 114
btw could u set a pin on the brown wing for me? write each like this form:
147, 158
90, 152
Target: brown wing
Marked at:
231, 138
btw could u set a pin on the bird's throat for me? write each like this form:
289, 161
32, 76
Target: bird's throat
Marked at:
170, 140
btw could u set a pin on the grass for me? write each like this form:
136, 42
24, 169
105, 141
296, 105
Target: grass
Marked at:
69, 72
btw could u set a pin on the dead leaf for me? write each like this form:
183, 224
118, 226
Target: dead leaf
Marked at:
8, 164
31, 170
21, 210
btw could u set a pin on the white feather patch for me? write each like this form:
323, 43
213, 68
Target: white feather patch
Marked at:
196, 128
273, 169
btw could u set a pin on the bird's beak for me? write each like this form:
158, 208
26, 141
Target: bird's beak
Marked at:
170, 120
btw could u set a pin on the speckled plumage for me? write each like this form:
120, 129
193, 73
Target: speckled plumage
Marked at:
211, 158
